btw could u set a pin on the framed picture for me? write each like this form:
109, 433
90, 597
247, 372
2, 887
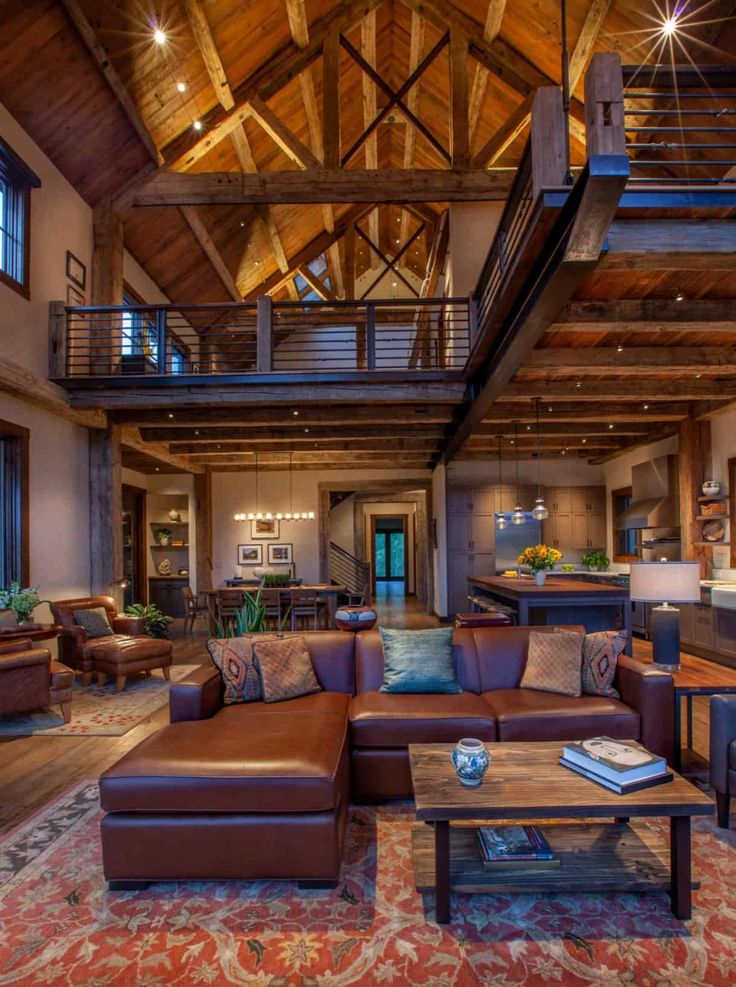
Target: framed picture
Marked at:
74, 296
75, 270
265, 528
280, 554
250, 554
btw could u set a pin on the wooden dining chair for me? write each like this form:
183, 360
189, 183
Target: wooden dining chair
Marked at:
196, 608
305, 608
229, 601
271, 599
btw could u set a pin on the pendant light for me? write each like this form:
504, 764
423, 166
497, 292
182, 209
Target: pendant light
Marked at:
518, 517
290, 515
540, 512
501, 520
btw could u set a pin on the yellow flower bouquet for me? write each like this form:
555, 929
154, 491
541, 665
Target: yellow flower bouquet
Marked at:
540, 557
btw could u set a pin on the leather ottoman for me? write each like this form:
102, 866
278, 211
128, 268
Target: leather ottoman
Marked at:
243, 795
125, 656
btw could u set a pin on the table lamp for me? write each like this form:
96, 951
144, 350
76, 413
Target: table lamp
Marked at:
675, 582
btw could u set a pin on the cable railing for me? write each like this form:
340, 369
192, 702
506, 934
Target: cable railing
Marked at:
260, 337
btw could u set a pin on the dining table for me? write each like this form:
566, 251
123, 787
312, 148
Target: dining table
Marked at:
330, 592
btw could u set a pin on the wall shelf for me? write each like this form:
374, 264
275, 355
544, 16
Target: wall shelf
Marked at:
711, 544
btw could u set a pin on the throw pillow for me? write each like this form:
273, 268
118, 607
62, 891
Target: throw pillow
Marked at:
600, 654
554, 663
94, 622
236, 662
286, 669
418, 661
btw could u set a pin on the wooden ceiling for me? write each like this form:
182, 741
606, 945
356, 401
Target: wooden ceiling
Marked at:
55, 78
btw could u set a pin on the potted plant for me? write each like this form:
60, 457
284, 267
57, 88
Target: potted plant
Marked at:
163, 536
540, 558
21, 601
155, 620
597, 560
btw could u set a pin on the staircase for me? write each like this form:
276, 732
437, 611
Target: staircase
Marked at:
349, 571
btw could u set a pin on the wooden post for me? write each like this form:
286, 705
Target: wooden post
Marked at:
604, 105
350, 261
331, 99
694, 468
105, 510
203, 528
459, 117
107, 255
264, 334
548, 140
370, 336
57, 340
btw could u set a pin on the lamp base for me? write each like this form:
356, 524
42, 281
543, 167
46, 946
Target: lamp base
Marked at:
666, 638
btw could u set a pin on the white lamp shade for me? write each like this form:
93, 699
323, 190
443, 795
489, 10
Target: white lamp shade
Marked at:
660, 582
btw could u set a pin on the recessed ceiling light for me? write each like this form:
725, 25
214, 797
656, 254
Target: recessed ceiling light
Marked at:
578, 384
610, 426
181, 86
159, 36
295, 413
669, 26
646, 407
171, 414
679, 297
619, 348
197, 125
584, 441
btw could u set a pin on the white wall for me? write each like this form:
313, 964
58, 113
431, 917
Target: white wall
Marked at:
234, 493
342, 525
472, 229
439, 554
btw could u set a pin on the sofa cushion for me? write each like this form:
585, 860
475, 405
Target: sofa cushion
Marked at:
523, 714
502, 653
600, 654
553, 663
286, 670
94, 622
236, 662
369, 660
241, 762
379, 719
418, 661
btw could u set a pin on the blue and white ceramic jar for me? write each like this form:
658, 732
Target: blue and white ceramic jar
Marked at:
471, 761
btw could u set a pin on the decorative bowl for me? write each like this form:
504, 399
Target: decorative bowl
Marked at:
355, 618
711, 488
471, 760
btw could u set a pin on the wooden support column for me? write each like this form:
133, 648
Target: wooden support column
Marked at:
694, 467
107, 256
349, 276
331, 99
105, 511
203, 528
459, 116
57, 339
548, 139
604, 105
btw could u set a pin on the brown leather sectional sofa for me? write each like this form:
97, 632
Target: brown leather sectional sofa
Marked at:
262, 790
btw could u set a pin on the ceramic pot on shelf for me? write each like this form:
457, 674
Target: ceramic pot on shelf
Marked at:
471, 760
711, 488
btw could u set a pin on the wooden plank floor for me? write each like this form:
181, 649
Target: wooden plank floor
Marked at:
34, 770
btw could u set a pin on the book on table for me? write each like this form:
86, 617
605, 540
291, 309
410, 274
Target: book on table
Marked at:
514, 846
618, 766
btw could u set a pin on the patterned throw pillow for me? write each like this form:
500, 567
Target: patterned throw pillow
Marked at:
94, 622
600, 654
286, 669
418, 661
234, 657
554, 663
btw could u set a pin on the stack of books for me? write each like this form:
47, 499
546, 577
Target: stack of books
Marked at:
505, 847
618, 766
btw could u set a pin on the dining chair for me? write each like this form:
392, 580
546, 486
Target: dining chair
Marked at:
305, 607
272, 600
196, 608
229, 601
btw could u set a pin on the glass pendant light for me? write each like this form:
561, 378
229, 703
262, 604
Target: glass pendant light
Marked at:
290, 515
518, 516
501, 519
540, 512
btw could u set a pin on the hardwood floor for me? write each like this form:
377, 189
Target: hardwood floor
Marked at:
34, 770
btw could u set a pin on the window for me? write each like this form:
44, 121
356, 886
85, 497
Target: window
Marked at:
178, 359
16, 182
139, 334
625, 543
13, 504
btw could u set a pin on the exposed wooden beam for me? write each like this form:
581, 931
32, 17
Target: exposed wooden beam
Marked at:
459, 119
647, 315
657, 435
21, 383
631, 361
350, 261
272, 232
279, 466
417, 415
389, 185
213, 254
671, 245
560, 429
316, 284
282, 135
587, 38
331, 100
105, 508
208, 49
99, 54
608, 410
107, 255
506, 134
189, 439
368, 51
649, 391
305, 445
416, 47
131, 438
491, 28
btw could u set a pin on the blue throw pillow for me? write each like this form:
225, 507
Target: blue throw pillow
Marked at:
418, 661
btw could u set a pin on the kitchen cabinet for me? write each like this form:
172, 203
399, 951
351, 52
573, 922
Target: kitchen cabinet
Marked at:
577, 519
725, 631
462, 565
471, 540
704, 626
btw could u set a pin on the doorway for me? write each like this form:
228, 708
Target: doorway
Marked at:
389, 550
134, 545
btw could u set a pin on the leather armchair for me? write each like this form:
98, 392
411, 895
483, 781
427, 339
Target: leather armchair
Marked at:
29, 679
723, 753
74, 646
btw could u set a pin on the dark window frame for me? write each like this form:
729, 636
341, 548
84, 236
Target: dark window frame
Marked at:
11, 431
618, 554
19, 181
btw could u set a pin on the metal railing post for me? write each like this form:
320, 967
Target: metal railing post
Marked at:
264, 334
162, 346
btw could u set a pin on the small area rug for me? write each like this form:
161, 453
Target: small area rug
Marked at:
98, 711
59, 924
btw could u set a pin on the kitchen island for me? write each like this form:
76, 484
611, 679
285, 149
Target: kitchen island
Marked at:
560, 601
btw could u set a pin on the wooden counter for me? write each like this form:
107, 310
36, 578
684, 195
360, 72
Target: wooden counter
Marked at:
560, 601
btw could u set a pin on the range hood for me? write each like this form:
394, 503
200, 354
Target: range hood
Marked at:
656, 496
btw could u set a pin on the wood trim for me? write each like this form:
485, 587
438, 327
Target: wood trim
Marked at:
371, 553
11, 430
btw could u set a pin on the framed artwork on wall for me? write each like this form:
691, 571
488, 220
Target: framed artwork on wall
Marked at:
265, 528
250, 554
74, 296
75, 270
280, 554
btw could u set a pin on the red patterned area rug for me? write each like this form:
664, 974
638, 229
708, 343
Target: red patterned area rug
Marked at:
59, 924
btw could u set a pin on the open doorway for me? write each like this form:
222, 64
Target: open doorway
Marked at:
389, 555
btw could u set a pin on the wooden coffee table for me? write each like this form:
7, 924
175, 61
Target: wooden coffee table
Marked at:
525, 782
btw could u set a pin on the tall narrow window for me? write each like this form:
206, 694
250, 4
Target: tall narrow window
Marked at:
13, 504
16, 182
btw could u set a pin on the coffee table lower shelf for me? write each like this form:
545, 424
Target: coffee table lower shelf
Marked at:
593, 857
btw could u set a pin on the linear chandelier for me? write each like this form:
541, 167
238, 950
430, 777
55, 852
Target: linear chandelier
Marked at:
290, 515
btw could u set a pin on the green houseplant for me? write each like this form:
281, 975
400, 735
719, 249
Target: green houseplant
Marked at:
249, 619
21, 601
157, 623
596, 560
163, 536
